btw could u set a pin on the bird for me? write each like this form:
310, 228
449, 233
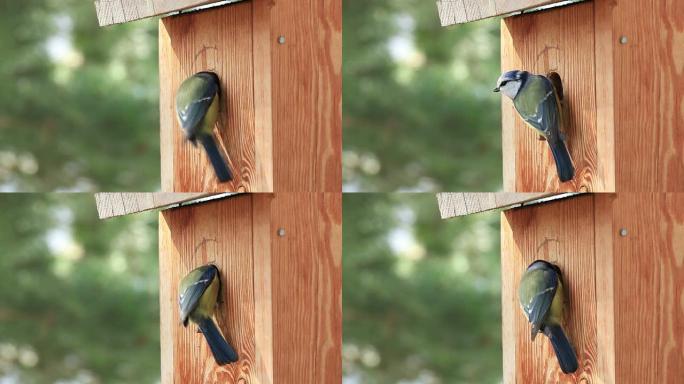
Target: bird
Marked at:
538, 99
199, 291
541, 298
197, 108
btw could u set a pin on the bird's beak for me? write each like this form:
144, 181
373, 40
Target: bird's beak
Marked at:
496, 89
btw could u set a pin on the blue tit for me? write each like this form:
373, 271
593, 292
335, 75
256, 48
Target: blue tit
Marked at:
199, 291
542, 301
538, 101
197, 107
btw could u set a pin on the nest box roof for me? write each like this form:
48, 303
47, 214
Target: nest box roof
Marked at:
464, 11
463, 204
121, 204
122, 11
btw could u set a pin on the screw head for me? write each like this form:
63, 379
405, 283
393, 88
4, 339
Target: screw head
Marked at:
623, 232
281, 39
281, 232
623, 40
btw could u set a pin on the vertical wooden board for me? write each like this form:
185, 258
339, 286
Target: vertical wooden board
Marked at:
560, 40
307, 95
307, 277
605, 108
218, 232
649, 102
649, 288
604, 235
221, 40
561, 232
263, 273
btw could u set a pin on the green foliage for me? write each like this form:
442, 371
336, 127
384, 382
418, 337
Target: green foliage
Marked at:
425, 310
84, 117
424, 120
78, 296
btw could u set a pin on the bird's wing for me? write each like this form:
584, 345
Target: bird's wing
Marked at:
192, 291
538, 105
537, 296
194, 98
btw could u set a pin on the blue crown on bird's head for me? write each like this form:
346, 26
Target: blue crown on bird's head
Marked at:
514, 75
537, 264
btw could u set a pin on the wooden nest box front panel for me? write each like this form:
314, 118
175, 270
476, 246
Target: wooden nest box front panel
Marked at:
561, 40
279, 257
223, 40
623, 272
621, 66
280, 123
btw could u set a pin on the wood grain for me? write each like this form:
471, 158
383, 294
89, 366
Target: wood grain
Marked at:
307, 95
263, 319
218, 232
561, 232
121, 11
120, 204
605, 260
463, 11
649, 288
649, 102
283, 299
453, 204
284, 130
307, 277
604, 41
221, 40
560, 40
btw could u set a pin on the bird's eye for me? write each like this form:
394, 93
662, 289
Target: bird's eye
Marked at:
503, 83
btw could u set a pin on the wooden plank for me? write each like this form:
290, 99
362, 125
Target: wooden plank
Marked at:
307, 95
649, 287
263, 319
560, 40
510, 306
218, 232
120, 204
463, 11
453, 204
263, 125
283, 303
605, 120
563, 233
307, 275
605, 287
121, 11
648, 97
219, 40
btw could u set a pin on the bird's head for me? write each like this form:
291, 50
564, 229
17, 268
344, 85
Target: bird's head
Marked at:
543, 264
510, 83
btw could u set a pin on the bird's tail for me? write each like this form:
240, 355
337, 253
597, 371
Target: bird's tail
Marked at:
220, 165
566, 171
564, 351
222, 351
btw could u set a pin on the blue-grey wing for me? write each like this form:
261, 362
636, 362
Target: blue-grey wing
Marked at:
193, 100
192, 293
536, 295
538, 105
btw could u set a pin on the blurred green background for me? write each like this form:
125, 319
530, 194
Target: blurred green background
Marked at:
422, 296
419, 111
79, 300
79, 106
79, 112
